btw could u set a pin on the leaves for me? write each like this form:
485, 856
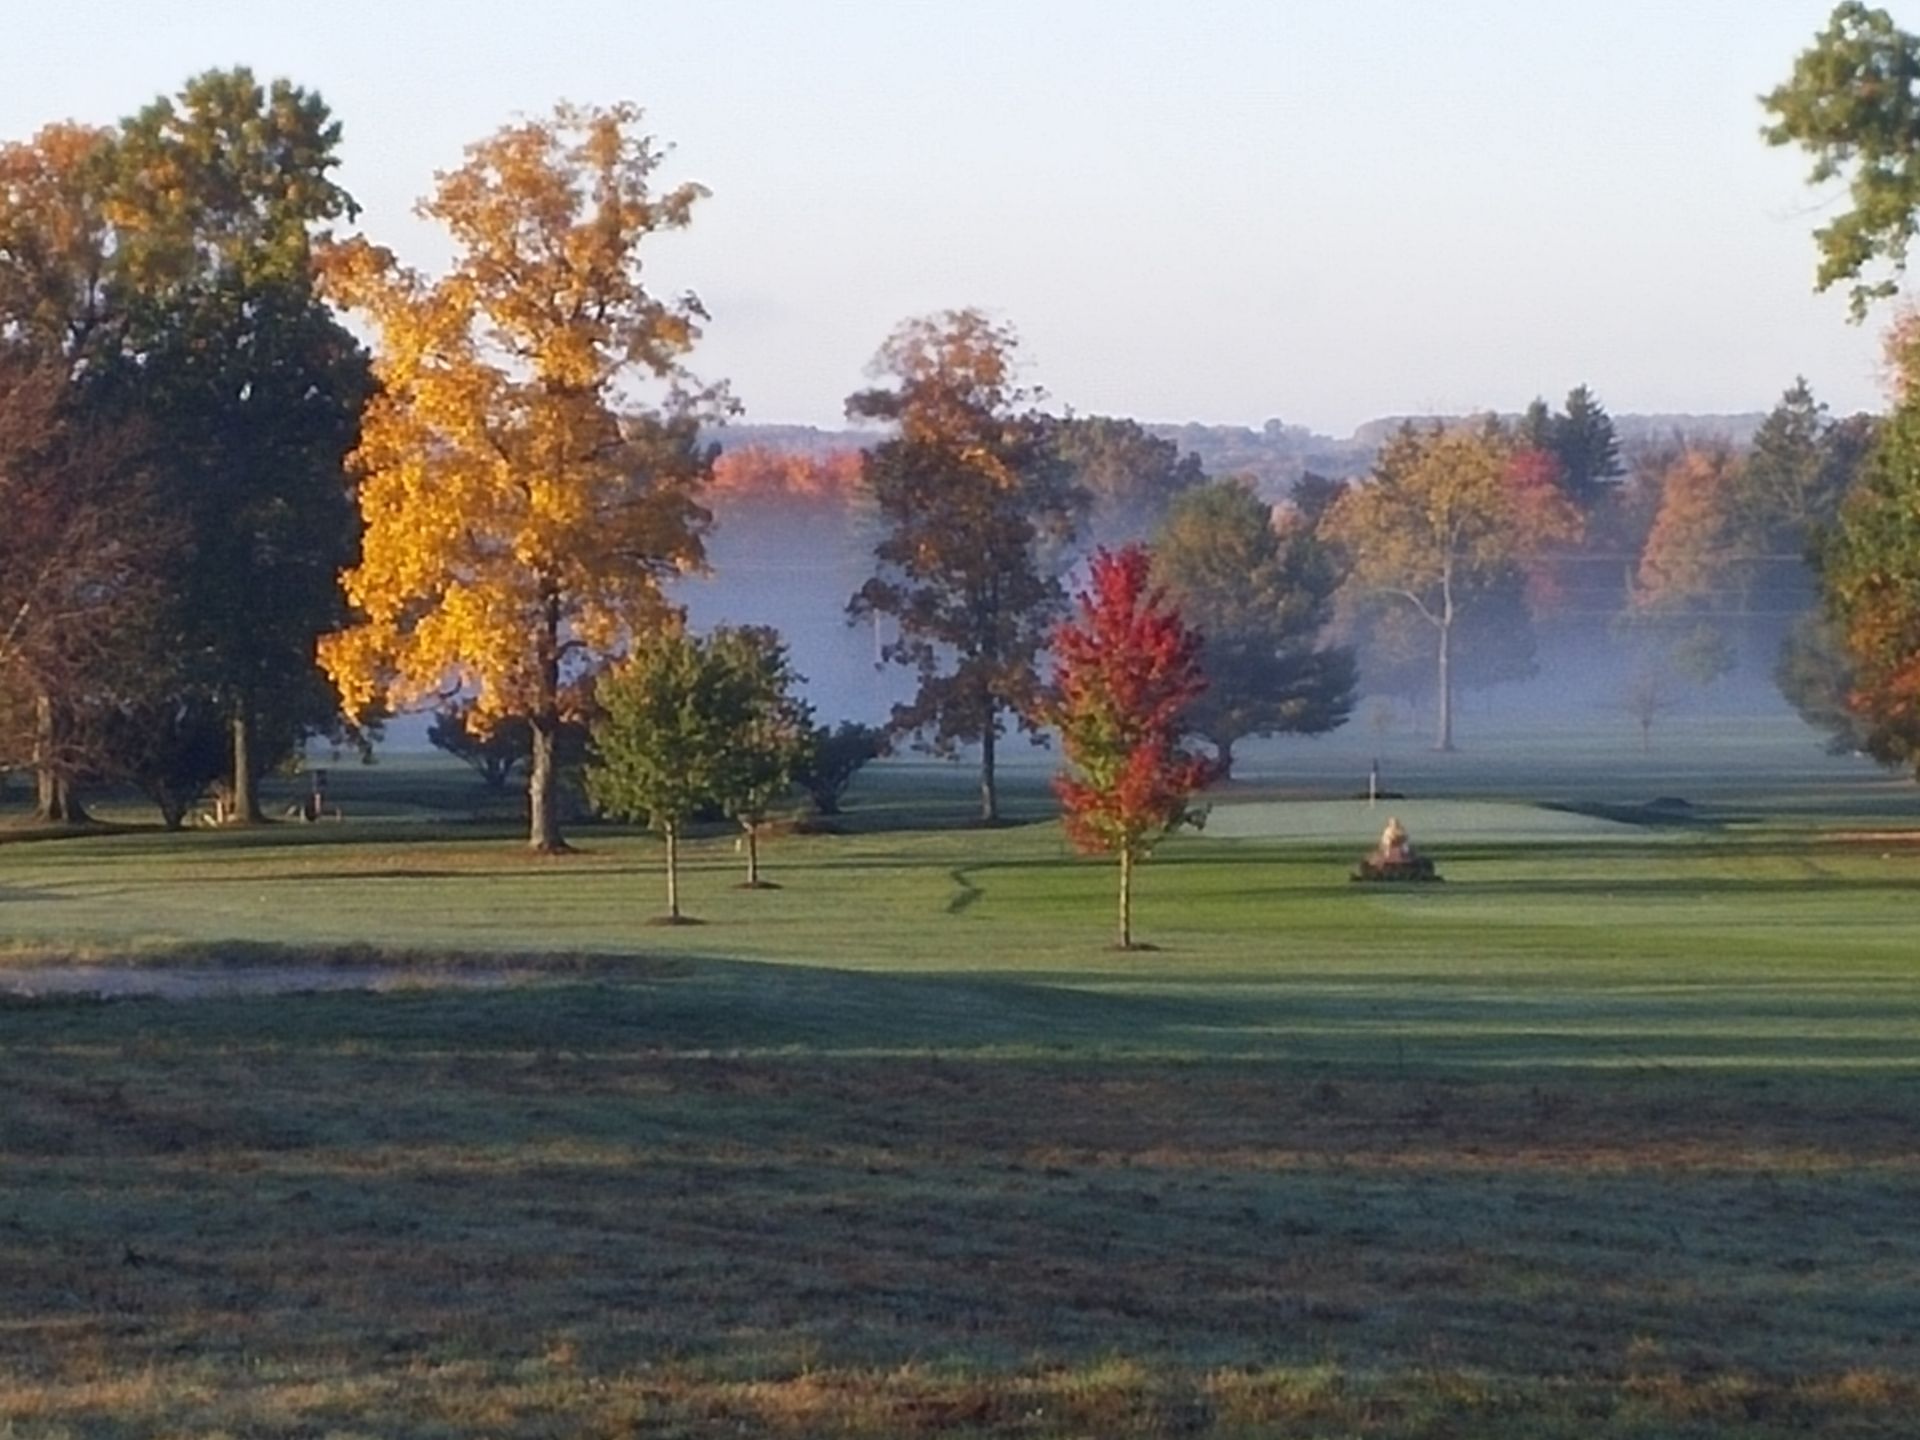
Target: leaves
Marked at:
1871, 577
1126, 667
520, 517
1444, 506
691, 723
1261, 590
968, 493
1853, 104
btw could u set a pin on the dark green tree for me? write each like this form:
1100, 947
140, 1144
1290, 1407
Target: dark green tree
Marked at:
967, 495
1535, 428
1582, 439
833, 757
170, 748
495, 752
1853, 104
1261, 592
1799, 467
253, 390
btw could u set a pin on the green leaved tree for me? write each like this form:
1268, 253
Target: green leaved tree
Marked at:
1261, 590
1853, 104
690, 724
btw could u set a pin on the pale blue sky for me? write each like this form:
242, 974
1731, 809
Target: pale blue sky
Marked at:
1220, 210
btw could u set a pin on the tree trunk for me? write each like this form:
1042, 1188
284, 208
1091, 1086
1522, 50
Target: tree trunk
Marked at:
753, 854
173, 809
673, 872
54, 800
1443, 740
989, 785
543, 791
246, 783
1223, 758
1126, 898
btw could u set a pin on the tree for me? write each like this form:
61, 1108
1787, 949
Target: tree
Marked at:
1261, 592
767, 738
1816, 678
1445, 512
168, 264
519, 518
832, 758
1130, 477
1126, 669
1494, 637
690, 724
170, 748
495, 751
57, 322
1696, 559
967, 492
1797, 469
1853, 104
493, 754
1870, 577
1535, 429
253, 389
1582, 439
81, 549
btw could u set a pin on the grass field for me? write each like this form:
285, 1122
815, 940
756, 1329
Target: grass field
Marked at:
1616, 1133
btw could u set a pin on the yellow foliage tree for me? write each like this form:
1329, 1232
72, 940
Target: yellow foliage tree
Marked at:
521, 508
1445, 510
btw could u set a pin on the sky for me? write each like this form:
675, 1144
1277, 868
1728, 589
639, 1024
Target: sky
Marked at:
1215, 210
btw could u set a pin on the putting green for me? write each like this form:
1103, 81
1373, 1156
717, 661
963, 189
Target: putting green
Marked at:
1431, 823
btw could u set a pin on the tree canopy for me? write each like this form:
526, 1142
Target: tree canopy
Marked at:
1446, 512
691, 723
1126, 671
1853, 104
1871, 577
968, 493
1261, 590
520, 513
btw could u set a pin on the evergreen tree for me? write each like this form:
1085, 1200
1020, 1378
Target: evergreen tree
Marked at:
1582, 439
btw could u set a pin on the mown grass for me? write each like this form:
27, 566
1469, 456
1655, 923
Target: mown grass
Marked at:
1616, 1137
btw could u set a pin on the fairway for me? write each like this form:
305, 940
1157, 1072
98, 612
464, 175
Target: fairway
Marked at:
1358, 823
1612, 1134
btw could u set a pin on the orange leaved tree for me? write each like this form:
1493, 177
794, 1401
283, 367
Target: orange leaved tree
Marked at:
521, 511
1125, 667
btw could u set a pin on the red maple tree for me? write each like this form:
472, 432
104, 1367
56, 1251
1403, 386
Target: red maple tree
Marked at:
1125, 668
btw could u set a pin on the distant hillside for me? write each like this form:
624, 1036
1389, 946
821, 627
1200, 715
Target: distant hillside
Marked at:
1276, 454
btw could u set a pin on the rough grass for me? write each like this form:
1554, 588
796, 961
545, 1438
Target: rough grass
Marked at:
1611, 1138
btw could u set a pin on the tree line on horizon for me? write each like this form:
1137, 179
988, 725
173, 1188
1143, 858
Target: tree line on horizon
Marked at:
231, 527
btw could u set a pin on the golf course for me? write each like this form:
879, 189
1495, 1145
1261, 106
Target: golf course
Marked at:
381, 1125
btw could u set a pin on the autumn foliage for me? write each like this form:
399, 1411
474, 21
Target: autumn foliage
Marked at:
520, 518
1447, 512
758, 475
1125, 668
